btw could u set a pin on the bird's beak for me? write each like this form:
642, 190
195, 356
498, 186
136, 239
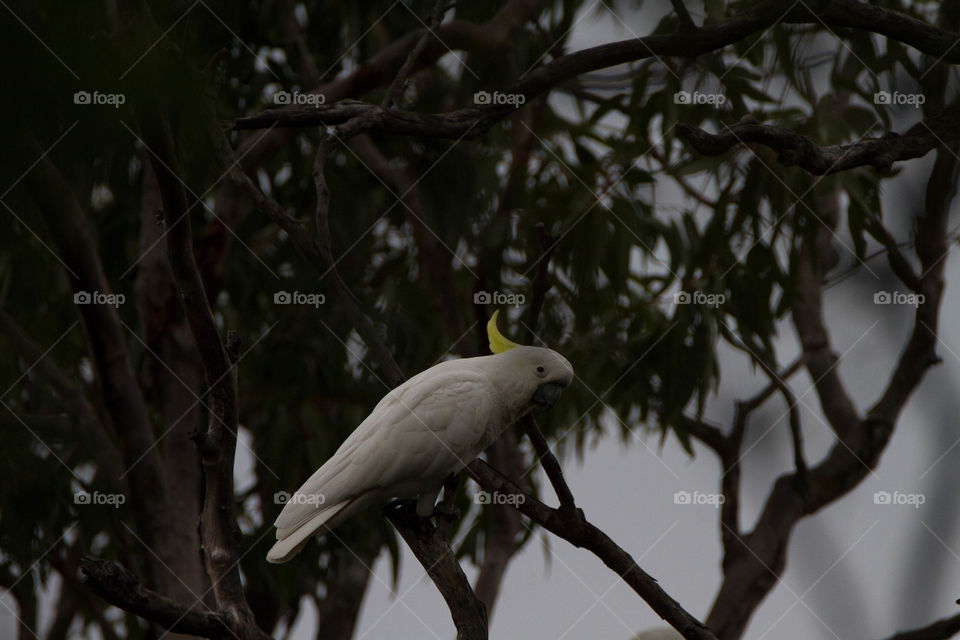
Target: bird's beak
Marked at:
547, 395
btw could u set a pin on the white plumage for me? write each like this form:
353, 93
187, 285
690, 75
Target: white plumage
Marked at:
427, 428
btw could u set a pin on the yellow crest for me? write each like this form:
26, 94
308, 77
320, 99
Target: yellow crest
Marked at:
498, 342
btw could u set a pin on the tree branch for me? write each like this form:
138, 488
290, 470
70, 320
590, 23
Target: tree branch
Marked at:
794, 149
433, 551
400, 81
220, 534
120, 587
939, 630
574, 528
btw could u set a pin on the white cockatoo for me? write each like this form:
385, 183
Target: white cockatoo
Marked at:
430, 426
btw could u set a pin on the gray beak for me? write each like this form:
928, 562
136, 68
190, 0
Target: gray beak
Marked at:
547, 395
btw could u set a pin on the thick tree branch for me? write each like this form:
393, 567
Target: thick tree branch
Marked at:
382, 68
753, 562
794, 149
121, 588
433, 551
220, 534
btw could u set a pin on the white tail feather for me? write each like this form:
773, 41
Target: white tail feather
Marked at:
289, 544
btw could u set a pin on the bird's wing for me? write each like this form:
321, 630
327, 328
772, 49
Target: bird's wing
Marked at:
426, 428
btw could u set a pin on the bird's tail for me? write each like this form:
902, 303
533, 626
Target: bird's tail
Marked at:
290, 541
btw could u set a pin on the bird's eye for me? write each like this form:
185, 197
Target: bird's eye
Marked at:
540, 369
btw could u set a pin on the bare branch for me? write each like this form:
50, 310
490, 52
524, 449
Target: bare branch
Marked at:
939, 630
794, 149
709, 434
433, 551
398, 84
549, 463
574, 528
898, 262
686, 22
121, 588
490, 36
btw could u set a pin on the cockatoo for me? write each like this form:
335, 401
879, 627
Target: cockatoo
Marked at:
430, 426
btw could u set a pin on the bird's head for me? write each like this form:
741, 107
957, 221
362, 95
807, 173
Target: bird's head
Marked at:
535, 376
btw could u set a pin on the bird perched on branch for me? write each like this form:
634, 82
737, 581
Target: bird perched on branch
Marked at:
430, 426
